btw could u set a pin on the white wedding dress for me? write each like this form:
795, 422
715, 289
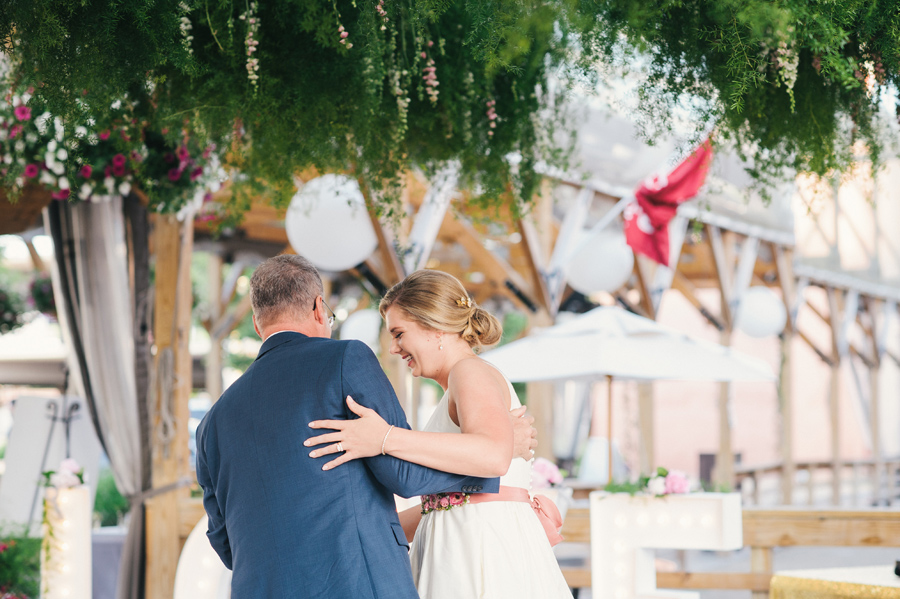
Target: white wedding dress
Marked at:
490, 550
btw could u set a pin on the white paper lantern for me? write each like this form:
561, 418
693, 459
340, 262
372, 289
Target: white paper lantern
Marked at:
603, 262
328, 223
200, 573
364, 325
761, 313
66, 547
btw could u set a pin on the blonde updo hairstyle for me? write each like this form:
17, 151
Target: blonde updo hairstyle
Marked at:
438, 301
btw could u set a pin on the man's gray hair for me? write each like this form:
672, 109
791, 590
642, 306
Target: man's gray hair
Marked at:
284, 286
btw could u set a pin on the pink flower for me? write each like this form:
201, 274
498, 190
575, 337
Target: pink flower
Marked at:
344, 34
677, 482
545, 474
118, 170
457, 499
209, 150
182, 153
14, 131
86, 171
423, 55
69, 465
31, 171
445, 502
104, 135
196, 173
23, 113
118, 160
174, 174
62, 194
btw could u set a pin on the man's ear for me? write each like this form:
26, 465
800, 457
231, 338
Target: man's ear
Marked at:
256, 326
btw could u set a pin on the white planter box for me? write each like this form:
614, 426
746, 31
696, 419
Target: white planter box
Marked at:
626, 529
66, 546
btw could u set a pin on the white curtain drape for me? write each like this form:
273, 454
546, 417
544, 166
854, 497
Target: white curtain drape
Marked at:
93, 280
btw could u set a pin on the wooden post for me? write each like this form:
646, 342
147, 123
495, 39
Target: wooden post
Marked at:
645, 415
214, 357
834, 395
724, 477
173, 242
761, 562
785, 377
539, 398
877, 456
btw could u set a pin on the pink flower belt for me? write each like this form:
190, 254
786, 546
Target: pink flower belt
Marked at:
544, 508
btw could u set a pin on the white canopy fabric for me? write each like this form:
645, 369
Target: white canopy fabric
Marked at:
610, 341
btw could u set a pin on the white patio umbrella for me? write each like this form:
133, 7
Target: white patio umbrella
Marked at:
614, 343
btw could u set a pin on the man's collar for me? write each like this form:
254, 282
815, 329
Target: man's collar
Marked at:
276, 339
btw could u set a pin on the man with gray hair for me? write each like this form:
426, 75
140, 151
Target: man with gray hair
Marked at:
285, 527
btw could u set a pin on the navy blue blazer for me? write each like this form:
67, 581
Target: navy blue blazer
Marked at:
283, 525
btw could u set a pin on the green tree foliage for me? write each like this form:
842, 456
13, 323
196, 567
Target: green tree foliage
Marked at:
794, 82
358, 86
372, 88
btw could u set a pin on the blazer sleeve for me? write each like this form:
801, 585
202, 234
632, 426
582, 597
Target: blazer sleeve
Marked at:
206, 456
363, 379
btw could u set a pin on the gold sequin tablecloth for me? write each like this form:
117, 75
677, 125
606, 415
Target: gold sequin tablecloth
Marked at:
876, 582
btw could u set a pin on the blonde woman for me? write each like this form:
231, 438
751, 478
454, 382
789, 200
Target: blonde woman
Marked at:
463, 545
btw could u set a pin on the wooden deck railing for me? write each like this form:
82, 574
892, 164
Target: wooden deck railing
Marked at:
858, 482
764, 529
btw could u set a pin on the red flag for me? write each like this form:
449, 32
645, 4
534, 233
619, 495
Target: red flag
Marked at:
647, 219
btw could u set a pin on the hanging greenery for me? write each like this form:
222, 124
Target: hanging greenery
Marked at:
373, 88
364, 87
795, 83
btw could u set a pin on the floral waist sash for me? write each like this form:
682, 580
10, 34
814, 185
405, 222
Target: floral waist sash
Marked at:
544, 508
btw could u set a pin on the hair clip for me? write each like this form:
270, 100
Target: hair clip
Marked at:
464, 302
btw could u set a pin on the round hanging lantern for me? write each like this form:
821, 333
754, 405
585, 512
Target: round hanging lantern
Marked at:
364, 325
604, 262
328, 223
761, 313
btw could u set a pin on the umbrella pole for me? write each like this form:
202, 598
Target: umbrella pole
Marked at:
609, 427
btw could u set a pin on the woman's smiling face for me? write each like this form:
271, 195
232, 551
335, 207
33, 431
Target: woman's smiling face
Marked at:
414, 343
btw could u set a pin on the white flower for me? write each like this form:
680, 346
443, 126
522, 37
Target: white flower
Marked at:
63, 183
69, 465
124, 188
86, 190
26, 97
116, 105
21, 161
3, 134
20, 146
7, 158
31, 137
20, 181
80, 131
58, 168
51, 145
110, 184
62, 154
93, 139
657, 486
42, 122
47, 179
64, 480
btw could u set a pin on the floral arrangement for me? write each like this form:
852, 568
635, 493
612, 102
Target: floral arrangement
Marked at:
664, 482
93, 155
545, 474
69, 475
443, 501
19, 567
11, 308
42, 294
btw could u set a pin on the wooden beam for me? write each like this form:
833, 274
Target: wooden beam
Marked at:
506, 280
642, 265
393, 268
819, 352
536, 263
689, 291
758, 581
213, 369
169, 408
227, 322
821, 528
723, 266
